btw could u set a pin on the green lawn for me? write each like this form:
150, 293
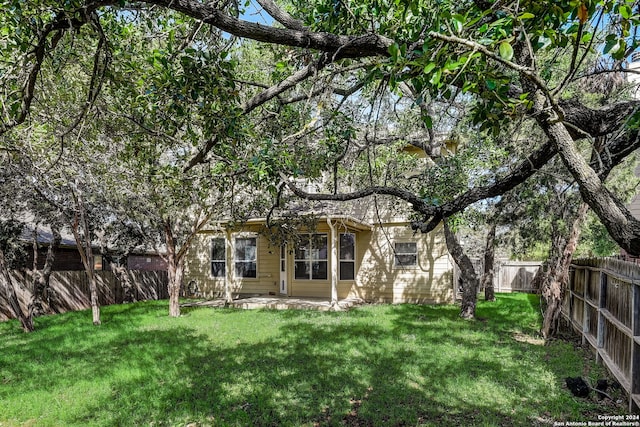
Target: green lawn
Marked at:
374, 365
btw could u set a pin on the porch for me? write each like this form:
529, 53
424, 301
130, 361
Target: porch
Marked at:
280, 303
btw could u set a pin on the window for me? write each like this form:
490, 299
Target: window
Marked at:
245, 258
97, 262
406, 254
311, 257
347, 256
218, 259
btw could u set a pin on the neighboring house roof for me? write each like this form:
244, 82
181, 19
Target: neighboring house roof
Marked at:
45, 236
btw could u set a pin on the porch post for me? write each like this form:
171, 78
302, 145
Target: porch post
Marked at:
228, 278
334, 264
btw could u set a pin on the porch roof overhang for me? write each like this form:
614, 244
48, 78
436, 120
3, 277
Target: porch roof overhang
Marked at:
348, 221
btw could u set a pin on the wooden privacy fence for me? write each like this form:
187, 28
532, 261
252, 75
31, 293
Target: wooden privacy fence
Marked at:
602, 303
515, 276
508, 276
69, 290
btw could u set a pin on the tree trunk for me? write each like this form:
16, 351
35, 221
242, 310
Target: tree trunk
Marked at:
554, 285
175, 270
551, 288
489, 258
93, 290
623, 227
125, 281
25, 320
470, 280
40, 299
86, 254
176, 273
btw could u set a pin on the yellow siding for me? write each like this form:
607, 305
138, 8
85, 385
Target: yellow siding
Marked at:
377, 280
198, 268
310, 288
634, 206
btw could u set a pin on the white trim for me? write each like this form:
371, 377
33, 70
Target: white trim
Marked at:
228, 278
334, 261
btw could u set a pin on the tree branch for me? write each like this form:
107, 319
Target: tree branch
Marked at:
280, 15
260, 99
286, 84
39, 51
346, 46
408, 196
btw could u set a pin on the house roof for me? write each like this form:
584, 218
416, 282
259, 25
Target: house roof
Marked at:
45, 236
351, 222
348, 221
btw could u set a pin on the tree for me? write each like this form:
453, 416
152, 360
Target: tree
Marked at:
188, 93
39, 303
10, 248
467, 272
508, 57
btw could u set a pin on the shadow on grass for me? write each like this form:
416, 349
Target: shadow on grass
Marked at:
393, 365
520, 309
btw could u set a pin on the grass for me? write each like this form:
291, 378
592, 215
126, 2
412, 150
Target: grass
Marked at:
375, 365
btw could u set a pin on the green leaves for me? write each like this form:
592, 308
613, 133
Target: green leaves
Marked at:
458, 22
397, 52
506, 51
625, 10
614, 46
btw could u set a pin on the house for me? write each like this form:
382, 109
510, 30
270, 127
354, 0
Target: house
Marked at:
364, 249
634, 204
634, 208
67, 257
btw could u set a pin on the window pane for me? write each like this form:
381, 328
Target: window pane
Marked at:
319, 270
406, 260
347, 246
302, 251
217, 249
319, 246
406, 248
246, 269
302, 270
245, 249
217, 269
347, 270
218, 260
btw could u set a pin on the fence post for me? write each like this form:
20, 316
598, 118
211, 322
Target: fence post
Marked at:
601, 304
585, 306
572, 285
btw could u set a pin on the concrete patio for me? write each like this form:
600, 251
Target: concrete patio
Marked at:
280, 303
